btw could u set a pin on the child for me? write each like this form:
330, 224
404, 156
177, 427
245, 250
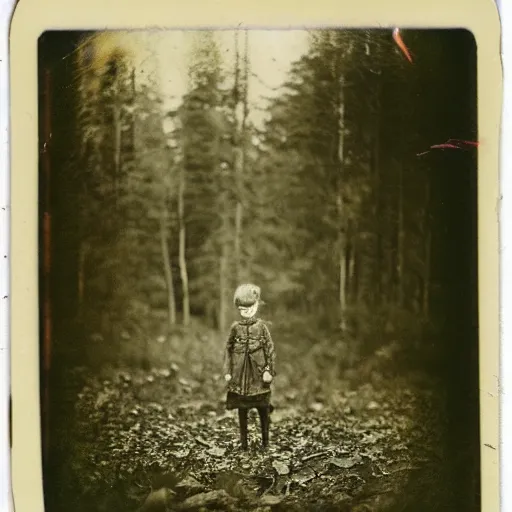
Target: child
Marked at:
249, 363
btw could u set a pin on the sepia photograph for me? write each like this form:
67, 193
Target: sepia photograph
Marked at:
258, 270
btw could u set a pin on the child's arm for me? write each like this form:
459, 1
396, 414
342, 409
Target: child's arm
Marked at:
270, 354
228, 356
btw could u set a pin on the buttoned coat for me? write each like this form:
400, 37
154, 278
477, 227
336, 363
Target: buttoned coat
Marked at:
249, 353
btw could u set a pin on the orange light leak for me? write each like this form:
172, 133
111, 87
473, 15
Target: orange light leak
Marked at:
452, 144
399, 41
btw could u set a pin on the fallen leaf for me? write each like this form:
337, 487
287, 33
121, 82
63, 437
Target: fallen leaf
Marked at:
216, 451
219, 499
314, 456
191, 485
304, 475
316, 407
280, 467
345, 463
270, 499
201, 441
157, 500
181, 454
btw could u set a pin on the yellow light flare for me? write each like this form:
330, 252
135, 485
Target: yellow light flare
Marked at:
162, 58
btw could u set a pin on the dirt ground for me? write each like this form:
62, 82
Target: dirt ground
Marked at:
160, 439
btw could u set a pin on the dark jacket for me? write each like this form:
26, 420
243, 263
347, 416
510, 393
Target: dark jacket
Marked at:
249, 352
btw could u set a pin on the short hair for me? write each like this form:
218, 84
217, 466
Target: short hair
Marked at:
246, 295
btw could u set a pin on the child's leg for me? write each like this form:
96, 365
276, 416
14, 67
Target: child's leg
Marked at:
265, 424
242, 417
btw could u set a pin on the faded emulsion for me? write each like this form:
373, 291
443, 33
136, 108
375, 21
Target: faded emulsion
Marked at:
337, 175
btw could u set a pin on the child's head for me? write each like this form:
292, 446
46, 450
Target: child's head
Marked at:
247, 299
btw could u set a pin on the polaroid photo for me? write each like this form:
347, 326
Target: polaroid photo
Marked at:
255, 256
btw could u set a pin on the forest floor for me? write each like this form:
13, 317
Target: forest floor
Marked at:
160, 439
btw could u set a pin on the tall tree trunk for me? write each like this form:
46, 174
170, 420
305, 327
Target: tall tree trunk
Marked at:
240, 94
378, 193
390, 244
352, 281
427, 231
223, 282
341, 207
225, 240
181, 250
117, 147
164, 241
238, 164
133, 114
400, 236
238, 218
81, 276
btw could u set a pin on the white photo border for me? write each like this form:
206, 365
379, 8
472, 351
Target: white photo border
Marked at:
33, 17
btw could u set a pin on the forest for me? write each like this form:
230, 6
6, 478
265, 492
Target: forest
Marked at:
353, 206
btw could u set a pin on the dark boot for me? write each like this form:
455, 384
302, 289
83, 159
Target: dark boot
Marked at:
242, 417
265, 425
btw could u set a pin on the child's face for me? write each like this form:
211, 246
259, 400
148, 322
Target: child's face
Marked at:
248, 312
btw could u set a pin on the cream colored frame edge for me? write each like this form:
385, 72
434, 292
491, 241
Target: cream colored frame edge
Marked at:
33, 17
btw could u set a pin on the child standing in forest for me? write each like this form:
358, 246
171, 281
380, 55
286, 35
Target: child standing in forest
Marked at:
250, 360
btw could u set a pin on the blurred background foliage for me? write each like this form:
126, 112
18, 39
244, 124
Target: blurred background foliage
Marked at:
366, 252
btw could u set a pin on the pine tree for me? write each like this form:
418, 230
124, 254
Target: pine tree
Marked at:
124, 203
207, 146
